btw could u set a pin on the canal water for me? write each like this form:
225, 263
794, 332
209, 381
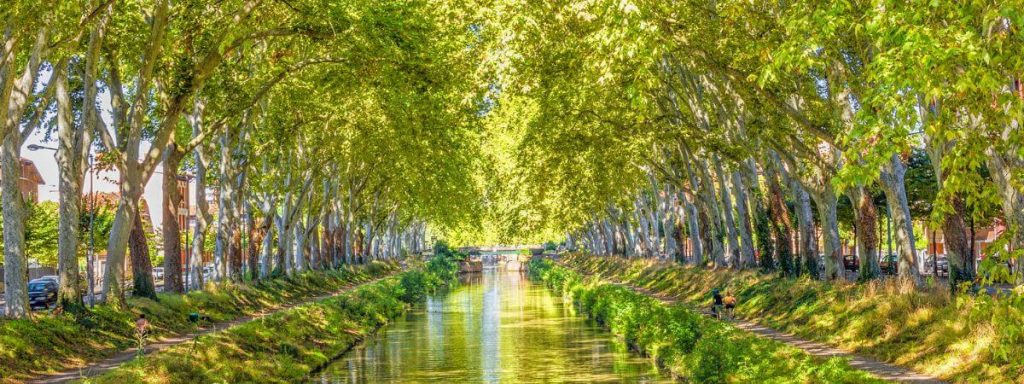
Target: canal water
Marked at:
496, 327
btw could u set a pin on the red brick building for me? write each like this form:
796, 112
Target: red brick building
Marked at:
30, 180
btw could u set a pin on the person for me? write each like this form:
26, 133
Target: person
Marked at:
716, 308
141, 331
730, 304
141, 325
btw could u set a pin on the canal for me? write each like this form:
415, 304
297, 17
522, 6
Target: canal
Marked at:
496, 327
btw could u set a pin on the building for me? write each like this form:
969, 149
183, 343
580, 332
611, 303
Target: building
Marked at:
30, 180
109, 201
183, 213
983, 237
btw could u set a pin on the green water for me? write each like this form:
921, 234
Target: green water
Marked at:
497, 327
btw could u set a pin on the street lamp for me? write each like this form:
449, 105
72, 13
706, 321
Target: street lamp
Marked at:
35, 147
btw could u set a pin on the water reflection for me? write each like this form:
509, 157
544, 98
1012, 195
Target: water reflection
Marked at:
497, 327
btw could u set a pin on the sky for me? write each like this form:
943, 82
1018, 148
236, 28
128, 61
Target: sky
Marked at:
102, 181
46, 162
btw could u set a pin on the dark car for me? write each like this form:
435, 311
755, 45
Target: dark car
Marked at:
850, 262
888, 263
42, 293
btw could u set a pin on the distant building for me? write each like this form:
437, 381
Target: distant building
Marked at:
183, 214
109, 201
983, 237
30, 181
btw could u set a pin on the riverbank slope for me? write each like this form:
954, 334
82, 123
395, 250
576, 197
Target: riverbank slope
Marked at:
963, 338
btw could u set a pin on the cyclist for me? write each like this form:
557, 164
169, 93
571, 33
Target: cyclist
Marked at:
716, 308
730, 304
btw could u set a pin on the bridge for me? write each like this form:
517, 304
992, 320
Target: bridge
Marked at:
501, 248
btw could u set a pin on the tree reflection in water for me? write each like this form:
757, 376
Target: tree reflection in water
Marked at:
497, 326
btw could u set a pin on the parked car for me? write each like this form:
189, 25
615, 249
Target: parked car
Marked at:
943, 266
942, 269
42, 293
888, 263
54, 278
207, 272
851, 263
158, 273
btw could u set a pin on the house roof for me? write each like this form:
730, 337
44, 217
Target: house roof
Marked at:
30, 172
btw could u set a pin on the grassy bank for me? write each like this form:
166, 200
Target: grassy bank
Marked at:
55, 343
287, 346
689, 344
963, 338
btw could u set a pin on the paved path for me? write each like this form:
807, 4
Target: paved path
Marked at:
110, 363
877, 368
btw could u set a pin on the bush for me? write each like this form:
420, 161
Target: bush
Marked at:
686, 342
550, 246
286, 346
51, 343
963, 337
714, 356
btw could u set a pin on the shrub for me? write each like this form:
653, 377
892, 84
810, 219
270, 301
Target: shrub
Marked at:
963, 337
686, 342
64, 341
286, 346
715, 356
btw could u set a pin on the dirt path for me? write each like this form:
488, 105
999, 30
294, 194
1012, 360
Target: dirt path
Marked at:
877, 368
100, 367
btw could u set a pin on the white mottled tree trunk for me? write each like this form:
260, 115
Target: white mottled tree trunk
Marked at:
894, 186
744, 227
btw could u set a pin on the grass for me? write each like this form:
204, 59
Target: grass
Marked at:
286, 346
48, 343
280, 348
689, 344
962, 339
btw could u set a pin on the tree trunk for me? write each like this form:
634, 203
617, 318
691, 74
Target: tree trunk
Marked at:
357, 247
712, 214
171, 229
893, 184
781, 223
866, 217
15, 92
765, 243
808, 238
15, 263
730, 222
957, 242
299, 239
236, 252
142, 266
251, 245
668, 224
268, 239
954, 229
829, 224
220, 250
314, 249
69, 160
283, 254
203, 216
117, 247
745, 229
1001, 169
697, 252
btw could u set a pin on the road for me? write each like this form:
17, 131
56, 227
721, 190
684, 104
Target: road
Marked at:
98, 293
